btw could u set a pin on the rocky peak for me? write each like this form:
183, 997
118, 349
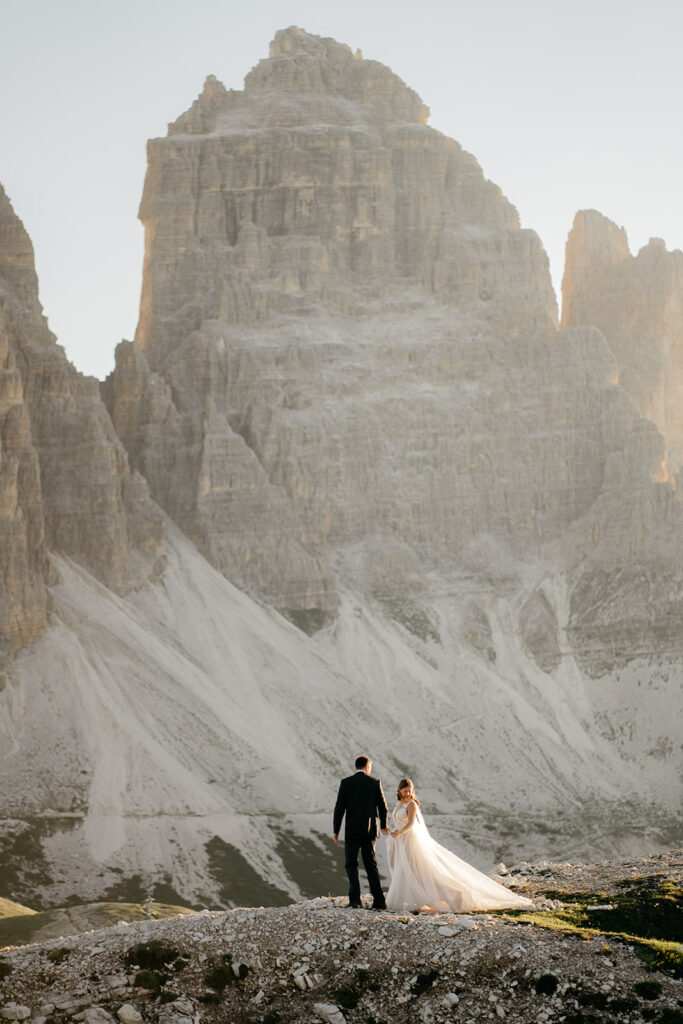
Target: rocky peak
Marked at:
17, 267
302, 63
637, 303
597, 239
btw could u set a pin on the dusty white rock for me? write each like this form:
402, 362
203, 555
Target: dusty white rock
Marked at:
447, 931
450, 999
15, 1011
329, 1013
115, 980
97, 1015
183, 1005
128, 1014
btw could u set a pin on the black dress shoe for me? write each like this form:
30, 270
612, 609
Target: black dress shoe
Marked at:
353, 906
381, 906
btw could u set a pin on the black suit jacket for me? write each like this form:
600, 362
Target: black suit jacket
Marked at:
360, 799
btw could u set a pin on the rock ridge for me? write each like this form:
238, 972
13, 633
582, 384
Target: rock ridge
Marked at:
637, 303
66, 482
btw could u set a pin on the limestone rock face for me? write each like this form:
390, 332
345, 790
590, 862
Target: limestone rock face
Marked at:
321, 183
23, 559
347, 368
66, 482
211, 481
637, 303
297, 232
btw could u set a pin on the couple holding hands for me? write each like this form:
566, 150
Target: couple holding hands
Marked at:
424, 875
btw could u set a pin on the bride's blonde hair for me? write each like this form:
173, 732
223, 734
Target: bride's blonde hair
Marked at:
402, 785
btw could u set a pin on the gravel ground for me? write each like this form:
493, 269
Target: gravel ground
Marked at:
318, 961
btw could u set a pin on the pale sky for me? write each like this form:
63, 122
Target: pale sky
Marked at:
566, 106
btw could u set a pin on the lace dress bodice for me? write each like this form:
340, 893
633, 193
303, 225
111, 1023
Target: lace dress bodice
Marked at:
401, 815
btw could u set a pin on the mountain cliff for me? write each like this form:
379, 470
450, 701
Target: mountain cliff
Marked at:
66, 482
307, 242
348, 405
637, 302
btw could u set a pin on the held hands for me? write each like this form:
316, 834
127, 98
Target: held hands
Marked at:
385, 831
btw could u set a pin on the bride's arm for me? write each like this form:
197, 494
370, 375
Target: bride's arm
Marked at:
411, 811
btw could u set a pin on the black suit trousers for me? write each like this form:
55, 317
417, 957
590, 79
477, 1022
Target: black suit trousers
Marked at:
365, 845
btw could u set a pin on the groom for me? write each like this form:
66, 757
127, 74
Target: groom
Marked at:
361, 798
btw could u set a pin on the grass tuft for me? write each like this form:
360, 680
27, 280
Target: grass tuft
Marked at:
56, 956
546, 985
152, 955
149, 980
424, 982
648, 989
219, 977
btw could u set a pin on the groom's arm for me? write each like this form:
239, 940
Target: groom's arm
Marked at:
339, 809
382, 807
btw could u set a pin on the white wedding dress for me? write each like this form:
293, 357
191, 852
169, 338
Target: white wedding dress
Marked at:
427, 876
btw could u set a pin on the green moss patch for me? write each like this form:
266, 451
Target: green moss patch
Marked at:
645, 912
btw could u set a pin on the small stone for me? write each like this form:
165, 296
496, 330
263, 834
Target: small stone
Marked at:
15, 1011
128, 1014
445, 930
450, 999
115, 980
182, 1005
500, 869
300, 982
329, 1013
97, 1015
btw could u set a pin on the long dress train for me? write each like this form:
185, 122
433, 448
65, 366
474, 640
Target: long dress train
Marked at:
427, 876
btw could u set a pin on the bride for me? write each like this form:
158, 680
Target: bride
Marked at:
427, 876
